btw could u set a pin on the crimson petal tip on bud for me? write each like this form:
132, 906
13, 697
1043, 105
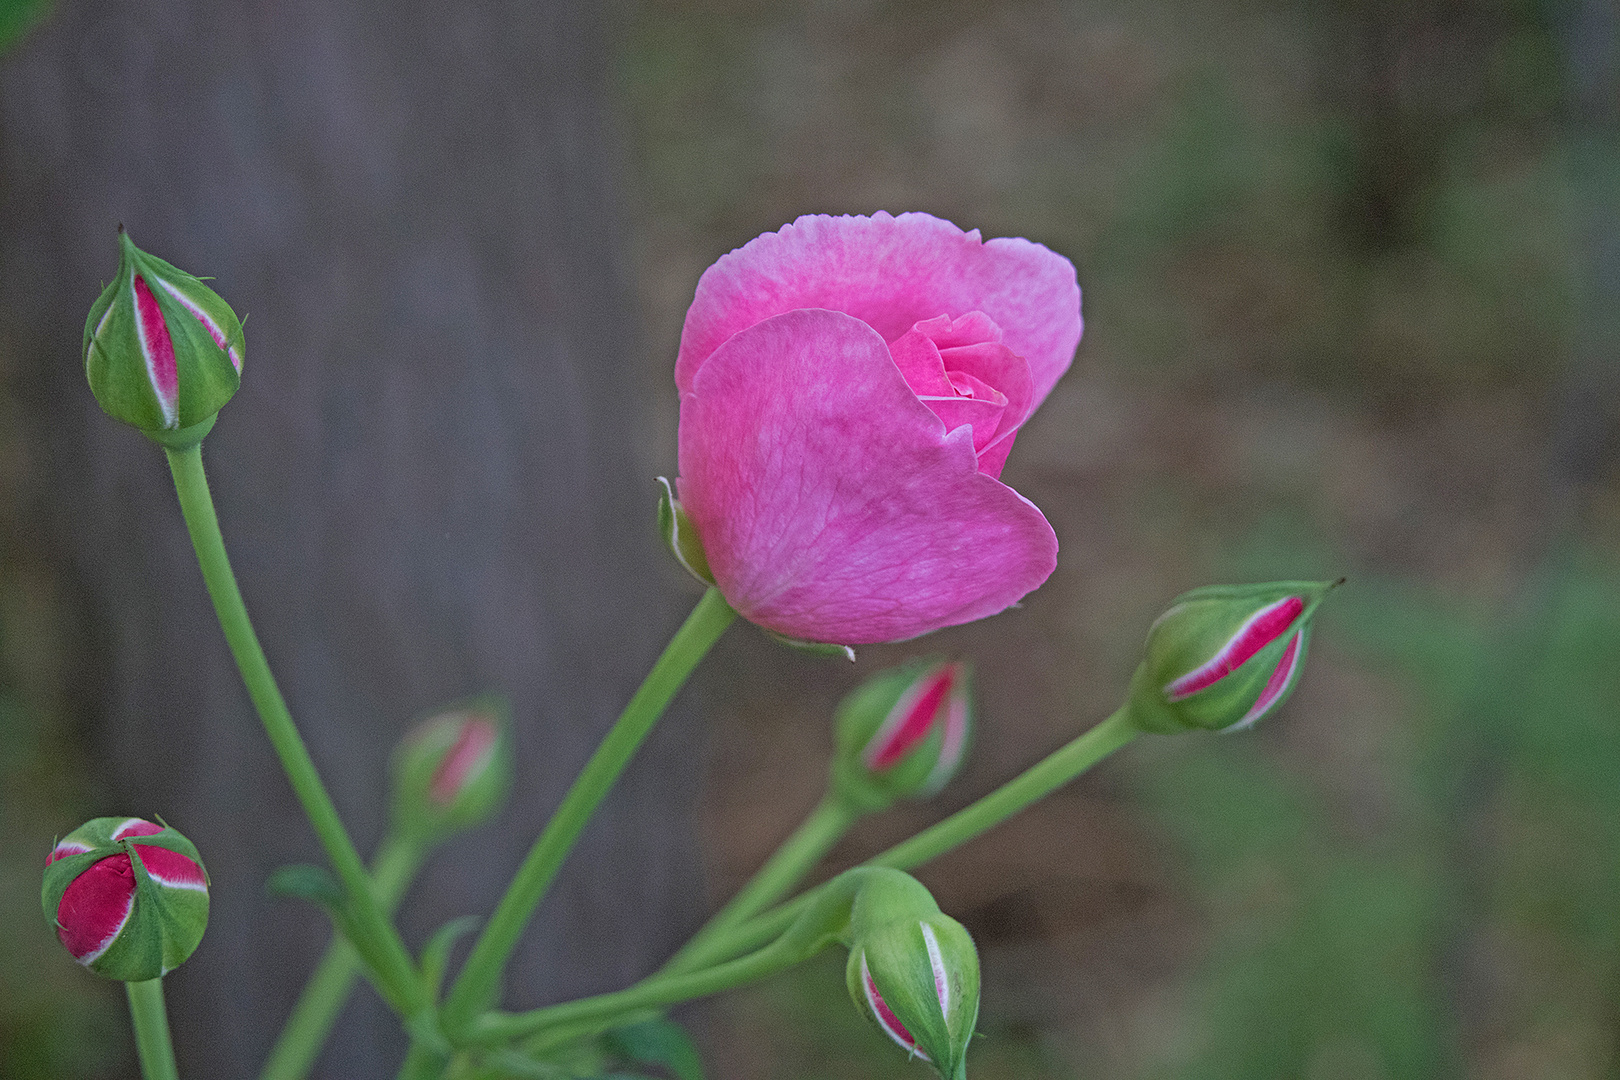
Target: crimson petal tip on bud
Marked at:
453, 770
903, 733
128, 898
1224, 657
162, 351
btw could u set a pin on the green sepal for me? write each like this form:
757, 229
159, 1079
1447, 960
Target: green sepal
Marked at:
815, 648
680, 535
207, 377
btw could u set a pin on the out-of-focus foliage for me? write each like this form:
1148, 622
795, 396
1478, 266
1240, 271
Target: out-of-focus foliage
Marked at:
55, 1020
17, 16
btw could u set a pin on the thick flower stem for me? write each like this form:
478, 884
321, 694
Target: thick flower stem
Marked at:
478, 985
151, 1023
312, 1018
1036, 782
375, 937
797, 856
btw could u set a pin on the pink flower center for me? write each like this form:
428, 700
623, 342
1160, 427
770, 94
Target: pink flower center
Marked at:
960, 369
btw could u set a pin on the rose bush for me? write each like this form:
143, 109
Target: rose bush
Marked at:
850, 389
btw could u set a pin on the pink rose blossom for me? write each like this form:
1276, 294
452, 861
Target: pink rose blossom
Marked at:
850, 389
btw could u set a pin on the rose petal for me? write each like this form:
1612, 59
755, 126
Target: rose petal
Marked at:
891, 272
999, 367
832, 503
918, 359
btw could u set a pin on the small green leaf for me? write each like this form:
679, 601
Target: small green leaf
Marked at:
436, 953
658, 1041
301, 881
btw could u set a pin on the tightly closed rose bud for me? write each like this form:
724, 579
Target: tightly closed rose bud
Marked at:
914, 972
129, 899
850, 389
452, 771
903, 733
1224, 656
162, 351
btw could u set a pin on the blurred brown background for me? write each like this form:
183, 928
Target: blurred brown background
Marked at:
1352, 280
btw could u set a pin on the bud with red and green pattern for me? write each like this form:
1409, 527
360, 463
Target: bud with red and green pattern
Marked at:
453, 770
128, 898
903, 733
1225, 656
162, 350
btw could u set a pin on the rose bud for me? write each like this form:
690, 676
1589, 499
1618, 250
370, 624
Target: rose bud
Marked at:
161, 349
129, 899
914, 972
850, 389
452, 771
903, 733
1224, 656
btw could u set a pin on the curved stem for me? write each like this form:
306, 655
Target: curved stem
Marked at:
814, 837
1032, 785
649, 994
478, 985
151, 1022
375, 938
820, 921
1036, 782
328, 988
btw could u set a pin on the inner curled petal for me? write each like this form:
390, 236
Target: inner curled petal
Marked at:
960, 369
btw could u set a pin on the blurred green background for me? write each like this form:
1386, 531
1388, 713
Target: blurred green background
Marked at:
1351, 284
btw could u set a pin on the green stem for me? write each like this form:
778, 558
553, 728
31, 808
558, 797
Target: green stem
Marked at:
151, 1023
652, 993
1032, 785
1036, 782
478, 985
311, 1021
375, 938
422, 1062
822, 920
797, 856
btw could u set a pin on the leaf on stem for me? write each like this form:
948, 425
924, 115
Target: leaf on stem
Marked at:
659, 1042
